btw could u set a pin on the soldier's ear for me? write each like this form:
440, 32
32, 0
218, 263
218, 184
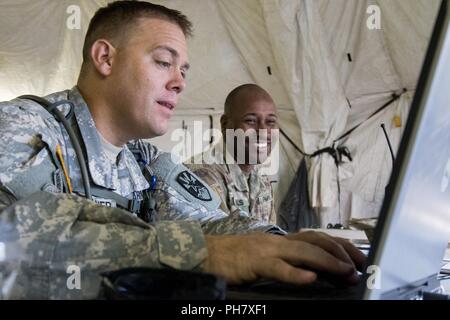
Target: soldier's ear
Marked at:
102, 56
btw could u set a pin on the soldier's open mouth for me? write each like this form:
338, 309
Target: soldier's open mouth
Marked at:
166, 104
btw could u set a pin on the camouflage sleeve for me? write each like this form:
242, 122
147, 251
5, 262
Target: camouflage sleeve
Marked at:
215, 181
43, 234
52, 233
238, 221
171, 205
273, 215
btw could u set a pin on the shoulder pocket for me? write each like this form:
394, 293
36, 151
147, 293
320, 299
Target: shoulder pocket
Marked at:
32, 176
184, 182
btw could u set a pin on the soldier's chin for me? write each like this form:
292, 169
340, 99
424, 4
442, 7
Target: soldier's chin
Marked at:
160, 130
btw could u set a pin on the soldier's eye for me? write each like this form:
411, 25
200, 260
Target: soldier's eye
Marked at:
164, 64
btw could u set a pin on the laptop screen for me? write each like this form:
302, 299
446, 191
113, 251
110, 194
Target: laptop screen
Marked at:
414, 225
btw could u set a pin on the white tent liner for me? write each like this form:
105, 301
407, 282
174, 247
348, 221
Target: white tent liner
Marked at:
306, 44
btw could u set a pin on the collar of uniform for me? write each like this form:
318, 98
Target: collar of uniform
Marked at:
137, 178
102, 171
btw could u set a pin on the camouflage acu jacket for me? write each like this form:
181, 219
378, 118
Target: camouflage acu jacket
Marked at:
51, 231
251, 193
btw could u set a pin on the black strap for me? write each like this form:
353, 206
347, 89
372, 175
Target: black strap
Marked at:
122, 202
50, 107
395, 97
53, 110
293, 144
339, 152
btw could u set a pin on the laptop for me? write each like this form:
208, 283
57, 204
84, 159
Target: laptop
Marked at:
413, 229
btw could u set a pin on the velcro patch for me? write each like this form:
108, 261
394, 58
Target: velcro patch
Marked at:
169, 171
194, 186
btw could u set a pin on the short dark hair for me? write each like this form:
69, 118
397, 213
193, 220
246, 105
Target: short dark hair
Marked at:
114, 20
249, 88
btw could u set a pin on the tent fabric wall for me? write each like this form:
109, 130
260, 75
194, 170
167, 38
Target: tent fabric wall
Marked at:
408, 26
39, 54
363, 181
384, 61
315, 93
330, 92
319, 93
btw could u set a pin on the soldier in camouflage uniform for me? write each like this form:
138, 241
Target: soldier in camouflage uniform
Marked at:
127, 90
181, 195
245, 193
242, 187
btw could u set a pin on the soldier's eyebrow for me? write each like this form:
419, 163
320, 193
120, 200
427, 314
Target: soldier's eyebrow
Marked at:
255, 115
174, 54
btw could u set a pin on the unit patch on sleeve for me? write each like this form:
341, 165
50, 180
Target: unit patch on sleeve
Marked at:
189, 182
